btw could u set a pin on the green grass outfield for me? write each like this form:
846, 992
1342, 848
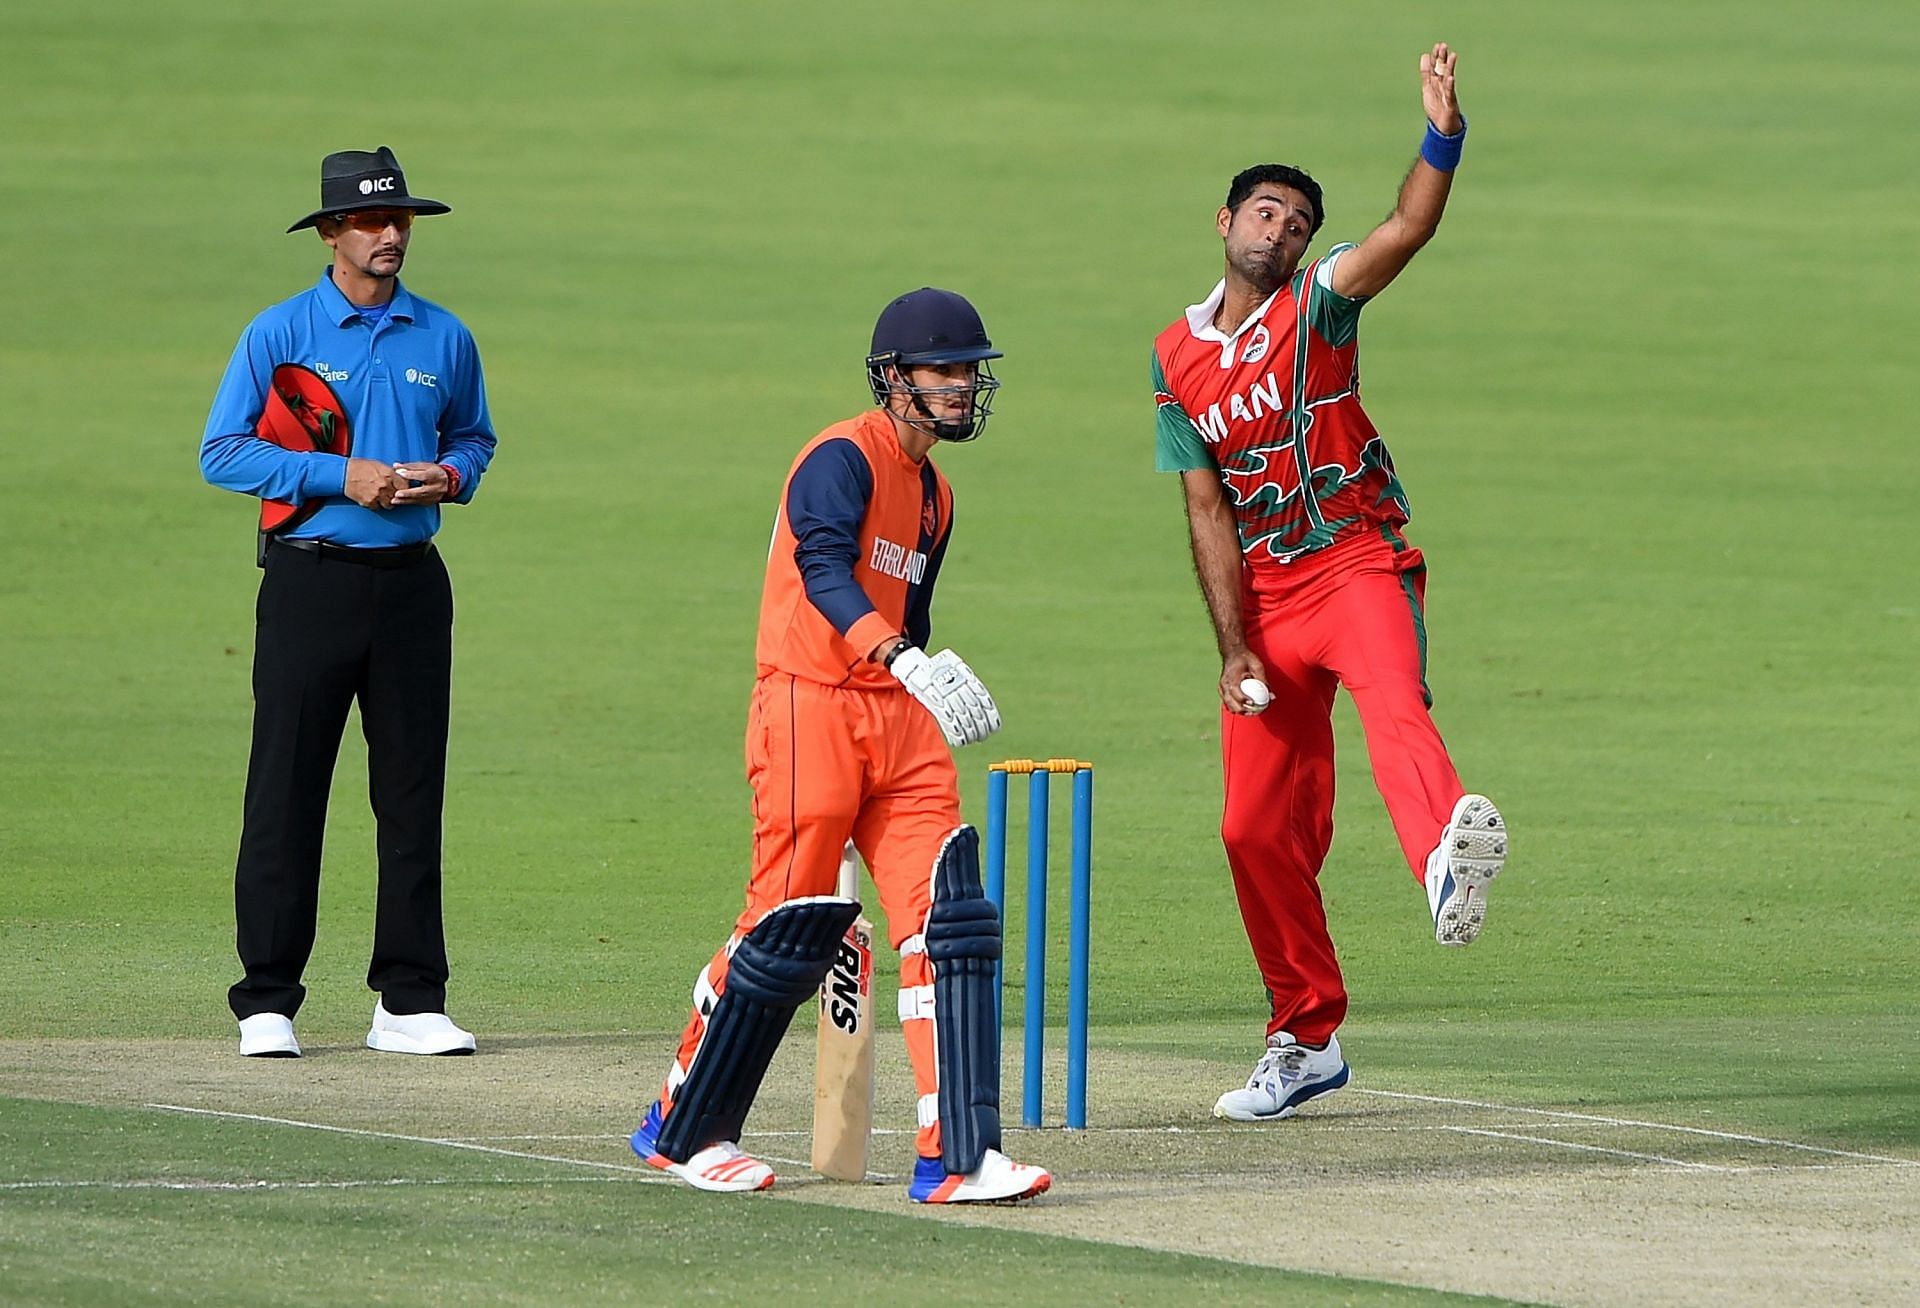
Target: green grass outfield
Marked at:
1649, 390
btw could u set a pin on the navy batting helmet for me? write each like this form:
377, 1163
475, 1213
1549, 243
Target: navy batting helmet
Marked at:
932, 326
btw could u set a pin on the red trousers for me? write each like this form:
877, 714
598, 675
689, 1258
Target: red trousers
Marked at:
1352, 616
828, 765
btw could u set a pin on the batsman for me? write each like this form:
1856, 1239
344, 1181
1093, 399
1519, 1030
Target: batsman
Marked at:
848, 738
1294, 515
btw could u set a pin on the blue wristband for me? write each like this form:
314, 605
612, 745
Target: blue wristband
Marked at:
1442, 151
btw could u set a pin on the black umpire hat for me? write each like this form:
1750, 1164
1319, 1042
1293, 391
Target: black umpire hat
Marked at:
354, 179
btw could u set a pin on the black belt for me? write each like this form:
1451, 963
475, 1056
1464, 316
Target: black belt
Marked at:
396, 556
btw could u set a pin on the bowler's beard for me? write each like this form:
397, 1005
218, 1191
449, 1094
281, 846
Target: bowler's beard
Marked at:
1264, 270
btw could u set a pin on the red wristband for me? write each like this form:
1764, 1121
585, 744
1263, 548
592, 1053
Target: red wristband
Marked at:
453, 480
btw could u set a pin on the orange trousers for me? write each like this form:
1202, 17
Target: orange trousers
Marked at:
1354, 617
828, 765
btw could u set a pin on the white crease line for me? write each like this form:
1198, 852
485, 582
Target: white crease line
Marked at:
1648, 1126
1743, 1168
1061, 1133
639, 1173
1242, 1128
1585, 1148
1320, 1124
647, 1175
252, 1186
623, 1138
1056, 1132
806, 1163
1146, 1183
878, 1130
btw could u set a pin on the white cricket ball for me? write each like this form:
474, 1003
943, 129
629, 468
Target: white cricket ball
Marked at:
1256, 690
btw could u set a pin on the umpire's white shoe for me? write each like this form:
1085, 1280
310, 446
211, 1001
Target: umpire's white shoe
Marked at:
268, 1035
998, 1180
416, 1033
1287, 1076
1472, 849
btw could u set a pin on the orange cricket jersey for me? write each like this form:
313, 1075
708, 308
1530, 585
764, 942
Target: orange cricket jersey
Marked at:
857, 543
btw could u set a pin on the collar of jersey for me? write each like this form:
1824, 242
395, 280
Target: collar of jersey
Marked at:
342, 311
1200, 318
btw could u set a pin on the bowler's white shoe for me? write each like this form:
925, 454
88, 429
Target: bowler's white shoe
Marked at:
998, 1179
417, 1033
1287, 1075
1472, 849
268, 1035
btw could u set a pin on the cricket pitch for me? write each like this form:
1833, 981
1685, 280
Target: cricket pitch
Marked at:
1551, 1206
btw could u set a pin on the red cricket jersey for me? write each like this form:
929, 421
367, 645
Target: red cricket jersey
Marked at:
1274, 408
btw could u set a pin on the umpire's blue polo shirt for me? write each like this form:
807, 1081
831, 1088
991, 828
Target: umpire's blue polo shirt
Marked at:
412, 389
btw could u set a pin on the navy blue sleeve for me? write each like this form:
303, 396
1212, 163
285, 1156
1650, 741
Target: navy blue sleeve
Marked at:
826, 501
919, 625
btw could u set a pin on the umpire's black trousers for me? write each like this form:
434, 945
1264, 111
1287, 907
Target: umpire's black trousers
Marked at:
330, 626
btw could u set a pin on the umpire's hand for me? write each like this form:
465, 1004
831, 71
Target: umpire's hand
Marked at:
374, 484
421, 483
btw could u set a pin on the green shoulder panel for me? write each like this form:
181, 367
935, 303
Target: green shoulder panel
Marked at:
1177, 443
1335, 319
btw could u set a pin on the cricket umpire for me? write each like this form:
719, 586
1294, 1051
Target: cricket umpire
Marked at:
354, 602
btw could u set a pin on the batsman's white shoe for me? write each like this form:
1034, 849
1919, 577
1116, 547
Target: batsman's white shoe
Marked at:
723, 1168
998, 1179
1472, 849
719, 1167
1287, 1076
416, 1033
268, 1035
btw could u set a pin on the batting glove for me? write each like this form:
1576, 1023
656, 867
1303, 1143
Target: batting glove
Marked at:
949, 690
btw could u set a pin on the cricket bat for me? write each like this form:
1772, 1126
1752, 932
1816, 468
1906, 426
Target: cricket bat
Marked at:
843, 1067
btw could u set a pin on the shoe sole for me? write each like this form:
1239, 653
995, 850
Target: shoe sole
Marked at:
1294, 1103
388, 1042
1038, 1188
1476, 841
269, 1053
